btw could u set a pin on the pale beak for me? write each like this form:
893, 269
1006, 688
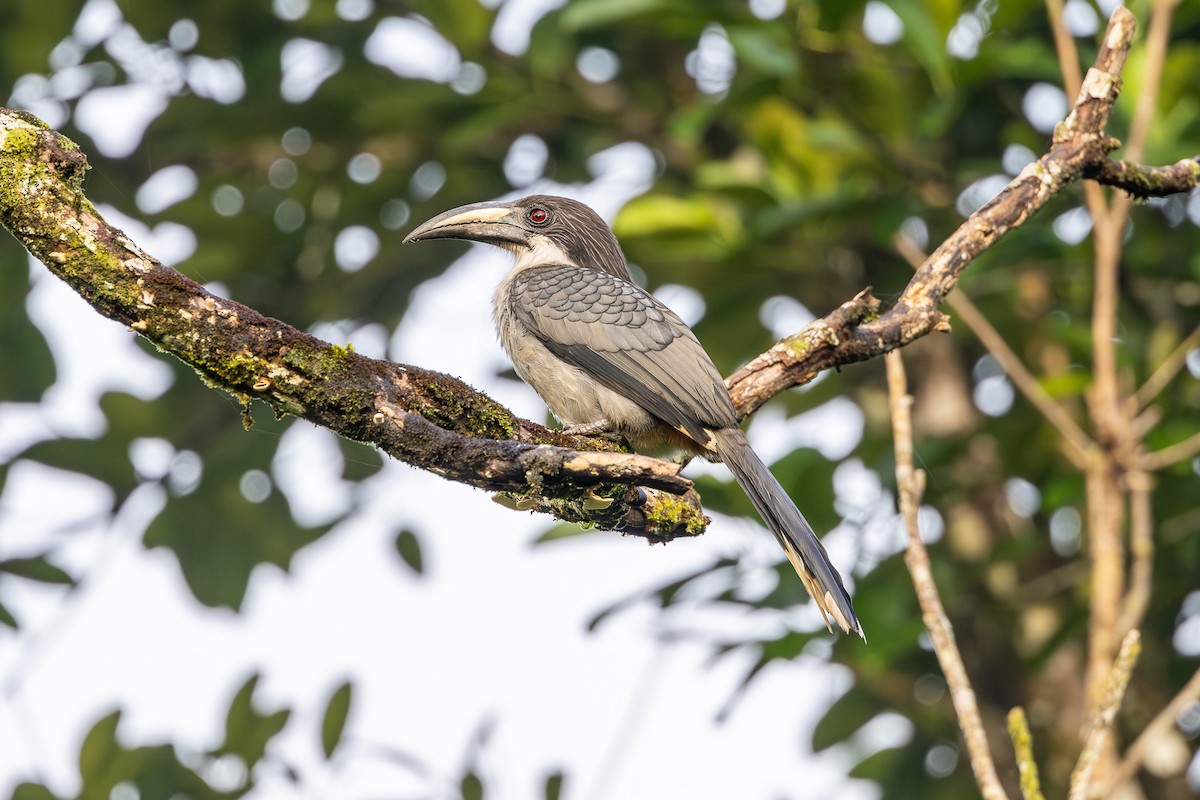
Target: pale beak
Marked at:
493, 222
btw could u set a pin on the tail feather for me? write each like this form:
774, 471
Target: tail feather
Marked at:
802, 546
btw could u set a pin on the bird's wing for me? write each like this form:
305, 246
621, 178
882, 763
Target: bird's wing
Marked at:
628, 341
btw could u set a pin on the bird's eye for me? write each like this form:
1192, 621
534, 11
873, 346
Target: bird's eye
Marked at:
539, 216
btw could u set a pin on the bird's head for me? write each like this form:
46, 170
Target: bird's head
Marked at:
549, 229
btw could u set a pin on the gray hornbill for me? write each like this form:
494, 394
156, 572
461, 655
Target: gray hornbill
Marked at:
607, 357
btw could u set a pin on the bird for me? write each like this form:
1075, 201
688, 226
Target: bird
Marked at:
607, 357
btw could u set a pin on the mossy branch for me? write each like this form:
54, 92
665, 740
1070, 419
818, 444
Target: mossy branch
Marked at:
424, 418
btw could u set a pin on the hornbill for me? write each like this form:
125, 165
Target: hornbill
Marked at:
607, 357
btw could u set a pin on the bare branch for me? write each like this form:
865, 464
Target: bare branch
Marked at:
1077, 441
1079, 141
1166, 372
1172, 454
1140, 181
910, 484
1064, 44
1135, 756
1102, 722
1141, 548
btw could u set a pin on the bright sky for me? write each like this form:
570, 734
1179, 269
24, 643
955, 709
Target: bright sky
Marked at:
493, 633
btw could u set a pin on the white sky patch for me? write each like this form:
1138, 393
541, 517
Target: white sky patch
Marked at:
1080, 18
783, 315
1016, 157
833, 429
354, 10
217, 79
683, 300
355, 247
881, 24
972, 198
165, 188
118, 135
1073, 226
713, 63
915, 230
97, 21
364, 168
515, 22
184, 34
767, 9
412, 49
526, 160
598, 64
169, 242
306, 65
1044, 105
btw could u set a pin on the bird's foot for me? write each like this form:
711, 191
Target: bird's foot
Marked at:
588, 428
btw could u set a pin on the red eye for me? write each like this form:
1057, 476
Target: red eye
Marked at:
538, 216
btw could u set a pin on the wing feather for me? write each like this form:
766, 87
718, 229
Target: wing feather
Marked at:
627, 340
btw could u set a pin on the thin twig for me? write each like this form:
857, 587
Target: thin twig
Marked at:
1077, 441
1102, 720
1018, 731
1106, 549
1064, 43
1141, 549
1135, 755
1166, 371
1140, 181
909, 482
1172, 454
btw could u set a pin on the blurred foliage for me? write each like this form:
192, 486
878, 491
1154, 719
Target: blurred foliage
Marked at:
789, 152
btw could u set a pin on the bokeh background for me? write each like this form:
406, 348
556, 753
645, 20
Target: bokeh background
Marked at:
190, 609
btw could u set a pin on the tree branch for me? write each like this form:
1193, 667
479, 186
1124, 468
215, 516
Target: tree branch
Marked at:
1078, 443
433, 421
1135, 755
857, 331
910, 487
421, 417
1105, 714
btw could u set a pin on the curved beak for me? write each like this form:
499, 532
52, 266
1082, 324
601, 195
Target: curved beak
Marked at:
493, 222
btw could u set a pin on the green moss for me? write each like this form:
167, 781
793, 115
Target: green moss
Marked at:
334, 357
455, 408
670, 514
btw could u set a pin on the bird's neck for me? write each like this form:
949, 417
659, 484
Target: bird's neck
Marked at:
542, 252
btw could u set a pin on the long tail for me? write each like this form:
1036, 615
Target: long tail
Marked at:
802, 546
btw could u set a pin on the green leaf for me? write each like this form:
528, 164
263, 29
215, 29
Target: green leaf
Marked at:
337, 710
554, 785
6, 618
219, 535
848, 713
471, 787
247, 730
925, 40
27, 375
409, 548
36, 568
586, 14
33, 791
658, 214
99, 753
